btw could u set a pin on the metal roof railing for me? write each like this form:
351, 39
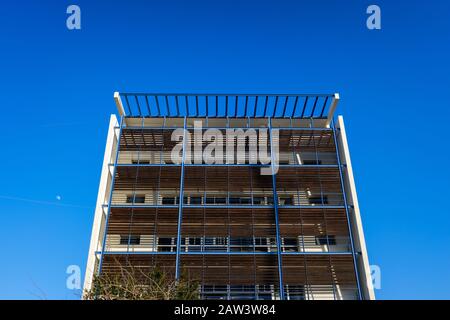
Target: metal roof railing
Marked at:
307, 106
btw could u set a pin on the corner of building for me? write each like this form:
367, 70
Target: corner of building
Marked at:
102, 198
355, 215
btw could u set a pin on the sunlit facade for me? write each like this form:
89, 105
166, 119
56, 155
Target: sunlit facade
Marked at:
294, 235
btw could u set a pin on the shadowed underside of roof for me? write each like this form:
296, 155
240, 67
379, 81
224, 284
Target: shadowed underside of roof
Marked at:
307, 106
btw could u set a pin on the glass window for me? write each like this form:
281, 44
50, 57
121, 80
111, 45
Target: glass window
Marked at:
317, 200
221, 200
324, 240
221, 241
139, 198
196, 200
126, 239
260, 241
165, 244
290, 244
195, 241
177, 200
168, 200
312, 162
258, 200
286, 201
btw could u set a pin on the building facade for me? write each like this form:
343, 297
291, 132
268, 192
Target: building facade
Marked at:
290, 232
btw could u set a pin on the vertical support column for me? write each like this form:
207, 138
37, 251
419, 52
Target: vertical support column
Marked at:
100, 213
333, 106
347, 211
180, 204
108, 211
275, 205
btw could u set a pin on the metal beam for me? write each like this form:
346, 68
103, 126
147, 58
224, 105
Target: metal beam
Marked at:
248, 253
285, 105
119, 104
157, 105
333, 106
275, 205
148, 106
295, 106
304, 107
167, 106
180, 205
256, 106
138, 105
265, 106
217, 106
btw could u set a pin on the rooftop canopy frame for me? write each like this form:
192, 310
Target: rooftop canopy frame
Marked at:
178, 105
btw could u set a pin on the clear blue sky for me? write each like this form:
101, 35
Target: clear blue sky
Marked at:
56, 91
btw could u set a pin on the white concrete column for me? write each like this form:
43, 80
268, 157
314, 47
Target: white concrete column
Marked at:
355, 215
102, 198
333, 106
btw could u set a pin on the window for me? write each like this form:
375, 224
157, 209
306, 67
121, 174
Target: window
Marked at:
165, 244
193, 244
241, 244
318, 200
234, 200
140, 161
312, 162
258, 200
195, 241
216, 200
295, 292
196, 200
286, 201
177, 200
168, 200
261, 244
221, 241
138, 198
128, 239
290, 244
324, 240
221, 200
260, 241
